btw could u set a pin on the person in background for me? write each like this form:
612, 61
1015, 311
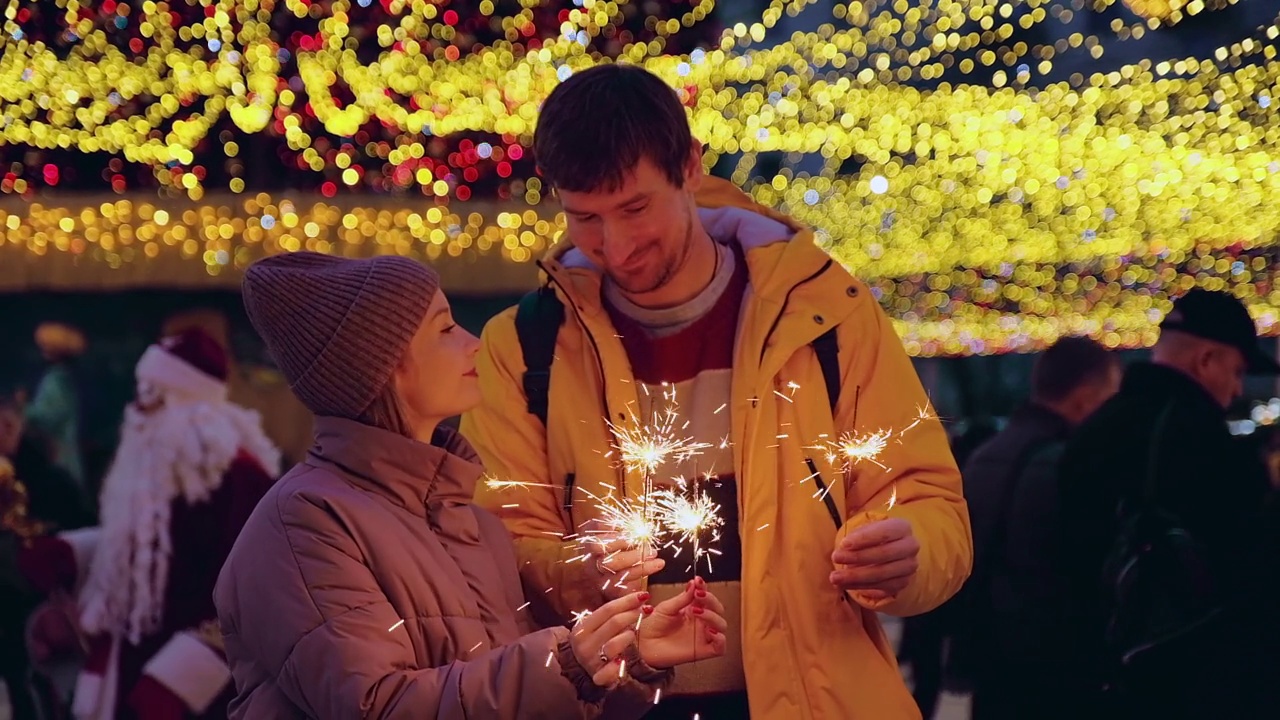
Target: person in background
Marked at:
680, 294
263, 389
367, 584
56, 498
1166, 428
55, 409
935, 662
1011, 484
134, 595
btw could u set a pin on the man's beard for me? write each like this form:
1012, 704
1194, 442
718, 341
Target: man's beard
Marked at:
176, 451
668, 269
130, 567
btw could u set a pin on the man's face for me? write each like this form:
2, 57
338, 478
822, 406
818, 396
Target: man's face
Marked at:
641, 233
1222, 373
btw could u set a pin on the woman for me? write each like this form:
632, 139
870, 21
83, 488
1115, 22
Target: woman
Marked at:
365, 584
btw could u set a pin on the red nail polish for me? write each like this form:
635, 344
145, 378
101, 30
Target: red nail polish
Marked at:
697, 611
699, 593
644, 597
647, 609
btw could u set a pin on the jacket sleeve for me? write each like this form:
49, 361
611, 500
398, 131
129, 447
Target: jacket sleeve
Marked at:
192, 664
513, 445
881, 391
349, 655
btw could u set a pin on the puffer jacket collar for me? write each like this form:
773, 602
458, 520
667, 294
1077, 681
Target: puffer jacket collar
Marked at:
411, 473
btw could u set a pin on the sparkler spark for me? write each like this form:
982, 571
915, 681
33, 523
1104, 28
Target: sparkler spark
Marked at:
393, 627
627, 520
494, 483
853, 448
645, 448
687, 517
893, 499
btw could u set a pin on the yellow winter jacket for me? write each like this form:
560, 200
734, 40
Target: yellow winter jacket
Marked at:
808, 652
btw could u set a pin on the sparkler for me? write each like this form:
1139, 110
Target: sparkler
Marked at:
853, 448
643, 448
688, 517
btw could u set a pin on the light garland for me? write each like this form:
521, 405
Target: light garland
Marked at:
987, 182
1014, 307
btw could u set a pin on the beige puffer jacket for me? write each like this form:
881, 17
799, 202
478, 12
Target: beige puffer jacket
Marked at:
366, 585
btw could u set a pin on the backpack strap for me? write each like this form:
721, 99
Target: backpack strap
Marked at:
827, 347
538, 319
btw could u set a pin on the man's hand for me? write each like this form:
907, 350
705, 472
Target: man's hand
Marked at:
617, 569
877, 559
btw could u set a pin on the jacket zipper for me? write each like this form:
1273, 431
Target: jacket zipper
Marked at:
826, 495
786, 299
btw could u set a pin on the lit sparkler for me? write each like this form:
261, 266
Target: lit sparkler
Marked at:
643, 449
853, 448
688, 518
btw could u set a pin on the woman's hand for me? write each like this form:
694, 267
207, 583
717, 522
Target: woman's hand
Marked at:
599, 639
688, 627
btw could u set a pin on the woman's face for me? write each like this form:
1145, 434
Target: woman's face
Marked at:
437, 377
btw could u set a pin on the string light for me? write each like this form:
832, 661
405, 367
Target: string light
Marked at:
986, 210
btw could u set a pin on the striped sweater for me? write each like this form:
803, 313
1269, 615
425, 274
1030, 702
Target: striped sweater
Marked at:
686, 352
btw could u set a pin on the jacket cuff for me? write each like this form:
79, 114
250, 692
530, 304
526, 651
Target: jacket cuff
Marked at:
190, 670
642, 672
572, 670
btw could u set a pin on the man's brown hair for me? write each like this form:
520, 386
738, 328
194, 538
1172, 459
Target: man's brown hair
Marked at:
1069, 364
597, 125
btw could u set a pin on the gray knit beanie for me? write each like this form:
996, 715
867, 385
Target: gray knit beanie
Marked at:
337, 327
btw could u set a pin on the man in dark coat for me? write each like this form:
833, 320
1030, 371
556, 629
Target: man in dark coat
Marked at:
1167, 424
1011, 484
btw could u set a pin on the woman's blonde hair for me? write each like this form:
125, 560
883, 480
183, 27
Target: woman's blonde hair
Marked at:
387, 413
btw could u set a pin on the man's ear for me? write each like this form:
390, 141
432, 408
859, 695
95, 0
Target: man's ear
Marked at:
693, 172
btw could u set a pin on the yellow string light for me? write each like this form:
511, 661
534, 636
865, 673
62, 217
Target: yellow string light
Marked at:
1163, 160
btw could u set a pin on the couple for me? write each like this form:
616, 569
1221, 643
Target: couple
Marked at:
368, 583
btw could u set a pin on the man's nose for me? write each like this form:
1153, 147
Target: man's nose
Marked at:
618, 245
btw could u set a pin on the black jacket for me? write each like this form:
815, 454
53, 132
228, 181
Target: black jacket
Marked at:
1202, 477
1010, 483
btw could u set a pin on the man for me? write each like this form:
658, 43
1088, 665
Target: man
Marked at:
189, 470
679, 291
286, 421
1166, 429
1006, 630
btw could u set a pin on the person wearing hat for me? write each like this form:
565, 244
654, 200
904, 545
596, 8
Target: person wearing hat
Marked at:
366, 583
189, 469
1167, 427
56, 408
